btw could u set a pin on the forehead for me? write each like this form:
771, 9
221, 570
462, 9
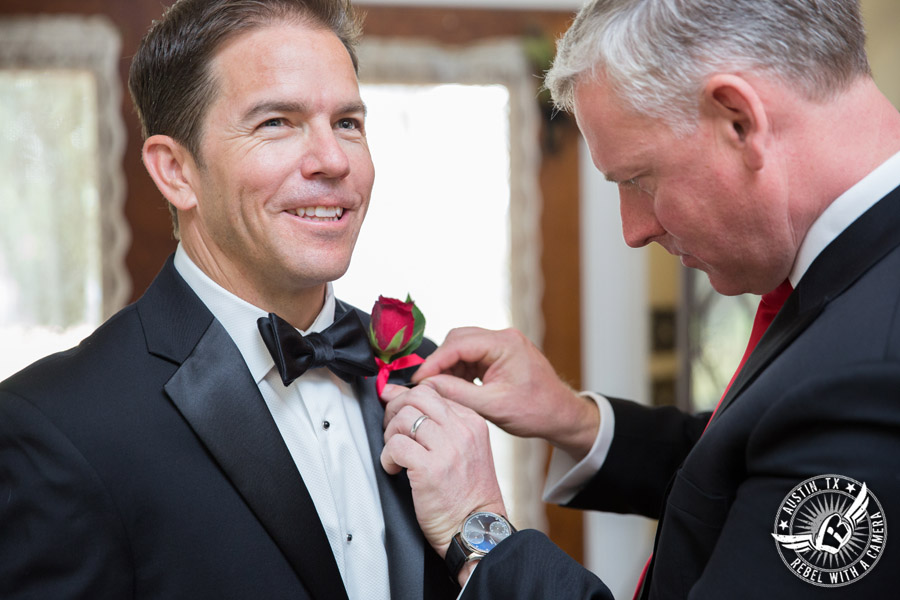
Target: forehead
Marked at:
286, 57
619, 138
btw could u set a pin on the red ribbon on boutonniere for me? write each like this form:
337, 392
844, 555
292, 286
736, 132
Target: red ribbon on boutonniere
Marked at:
395, 332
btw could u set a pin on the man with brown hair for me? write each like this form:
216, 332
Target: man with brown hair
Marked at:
178, 452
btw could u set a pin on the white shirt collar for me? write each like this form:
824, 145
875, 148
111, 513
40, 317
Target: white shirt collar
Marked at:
848, 207
239, 317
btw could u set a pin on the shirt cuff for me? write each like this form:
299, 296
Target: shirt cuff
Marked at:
565, 477
472, 572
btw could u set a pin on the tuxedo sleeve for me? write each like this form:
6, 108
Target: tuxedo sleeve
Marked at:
648, 446
528, 566
60, 536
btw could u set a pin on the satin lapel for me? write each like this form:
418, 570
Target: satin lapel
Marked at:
845, 260
404, 542
220, 401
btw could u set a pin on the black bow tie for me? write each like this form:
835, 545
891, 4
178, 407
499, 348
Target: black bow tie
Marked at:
343, 347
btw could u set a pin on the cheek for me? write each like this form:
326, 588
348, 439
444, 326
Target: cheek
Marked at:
672, 210
256, 185
235, 169
361, 167
268, 166
696, 204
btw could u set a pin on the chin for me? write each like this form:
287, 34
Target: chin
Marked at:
320, 274
727, 287
314, 263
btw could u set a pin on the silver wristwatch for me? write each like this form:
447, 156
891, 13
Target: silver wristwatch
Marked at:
478, 535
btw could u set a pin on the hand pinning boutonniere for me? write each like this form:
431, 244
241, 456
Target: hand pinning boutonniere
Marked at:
395, 332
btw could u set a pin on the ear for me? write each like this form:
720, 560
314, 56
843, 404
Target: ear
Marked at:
740, 116
172, 169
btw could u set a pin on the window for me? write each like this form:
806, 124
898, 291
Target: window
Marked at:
717, 331
62, 233
438, 225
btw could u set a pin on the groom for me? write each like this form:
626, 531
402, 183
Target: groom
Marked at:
166, 456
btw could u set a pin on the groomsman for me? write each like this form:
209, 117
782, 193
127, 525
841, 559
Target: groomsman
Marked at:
748, 138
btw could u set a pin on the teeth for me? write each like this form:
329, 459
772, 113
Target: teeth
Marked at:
319, 213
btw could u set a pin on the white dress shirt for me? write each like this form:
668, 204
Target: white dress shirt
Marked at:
321, 422
566, 477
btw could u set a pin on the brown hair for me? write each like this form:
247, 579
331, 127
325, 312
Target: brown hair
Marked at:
170, 80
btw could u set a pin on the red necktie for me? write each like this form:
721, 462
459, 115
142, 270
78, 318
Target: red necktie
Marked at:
769, 305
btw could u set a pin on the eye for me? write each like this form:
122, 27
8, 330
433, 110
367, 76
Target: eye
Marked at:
273, 122
639, 185
348, 124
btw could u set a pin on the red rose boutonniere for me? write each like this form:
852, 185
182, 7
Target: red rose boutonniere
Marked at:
396, 330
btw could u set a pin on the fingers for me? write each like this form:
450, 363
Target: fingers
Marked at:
395, 398
401, 452
412, 423
466, 345
421, 397
405, 447
421, 414
459, 390
392, 391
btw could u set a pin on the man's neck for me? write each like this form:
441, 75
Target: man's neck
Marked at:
298, 306
843, 140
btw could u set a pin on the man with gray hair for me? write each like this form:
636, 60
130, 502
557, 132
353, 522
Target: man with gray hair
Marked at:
748, 138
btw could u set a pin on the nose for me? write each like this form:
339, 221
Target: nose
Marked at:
639, 223
324, 155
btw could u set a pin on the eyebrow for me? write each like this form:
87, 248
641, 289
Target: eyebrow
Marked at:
262, 108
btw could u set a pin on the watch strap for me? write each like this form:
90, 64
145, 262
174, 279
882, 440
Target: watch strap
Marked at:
456, 556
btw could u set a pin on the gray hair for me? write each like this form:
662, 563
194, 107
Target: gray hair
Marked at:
658, 54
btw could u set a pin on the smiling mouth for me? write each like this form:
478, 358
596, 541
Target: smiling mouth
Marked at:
318, 213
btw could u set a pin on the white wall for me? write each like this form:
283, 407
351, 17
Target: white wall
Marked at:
615, 352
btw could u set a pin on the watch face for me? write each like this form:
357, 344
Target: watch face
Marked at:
483, 531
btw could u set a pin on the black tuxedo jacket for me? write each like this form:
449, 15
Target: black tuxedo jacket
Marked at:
144, 463
820, 395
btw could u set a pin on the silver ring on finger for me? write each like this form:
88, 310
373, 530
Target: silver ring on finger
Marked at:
416, 425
